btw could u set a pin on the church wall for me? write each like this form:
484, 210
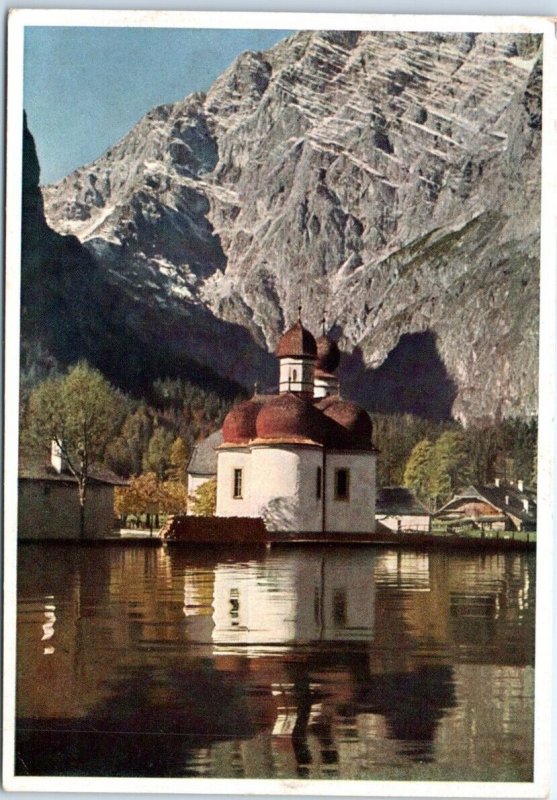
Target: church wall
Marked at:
227, 504
284, 481
357, 513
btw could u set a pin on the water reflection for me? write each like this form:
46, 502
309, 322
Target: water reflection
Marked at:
293, 600
332, 662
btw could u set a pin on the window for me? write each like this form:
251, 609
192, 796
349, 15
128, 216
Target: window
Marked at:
342, 484
294, 376
237, 488
234, 607
318, 482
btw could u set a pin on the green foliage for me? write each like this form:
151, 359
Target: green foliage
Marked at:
204, 502
157, 457
438, 468
395, 435
419, 470
81, 412
137, 431
450, 466
178, 460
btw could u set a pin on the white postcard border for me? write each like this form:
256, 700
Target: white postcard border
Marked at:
547, 478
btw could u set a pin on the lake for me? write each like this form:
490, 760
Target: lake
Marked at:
312, 662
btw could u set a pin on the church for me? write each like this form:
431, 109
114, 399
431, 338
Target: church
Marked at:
301, 460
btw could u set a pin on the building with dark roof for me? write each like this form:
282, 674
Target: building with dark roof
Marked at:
48, 506
302, 460
498, 507
399, 509
202, 465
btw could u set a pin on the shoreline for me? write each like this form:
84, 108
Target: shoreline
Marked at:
407, 541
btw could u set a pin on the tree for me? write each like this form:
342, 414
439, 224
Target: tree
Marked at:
146, 494
419, 469
450, 469
174, 497
204, 502
80, 412
178, 461
136, 432
157, 457
142, 496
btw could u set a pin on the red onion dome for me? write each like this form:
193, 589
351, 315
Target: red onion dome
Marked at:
287, 416
239, 423
296, 342
349, 416
328, 354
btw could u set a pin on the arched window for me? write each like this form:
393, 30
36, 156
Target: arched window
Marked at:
294, 375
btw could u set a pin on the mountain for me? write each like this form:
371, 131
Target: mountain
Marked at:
389, 181
71, 309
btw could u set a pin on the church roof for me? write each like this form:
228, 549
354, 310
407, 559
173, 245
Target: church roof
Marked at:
349, 417
297, 342
328, 355
289, 418
288, 415
203, 459
239, 423
34, 470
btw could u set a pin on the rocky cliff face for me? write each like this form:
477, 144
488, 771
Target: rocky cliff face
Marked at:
388, 180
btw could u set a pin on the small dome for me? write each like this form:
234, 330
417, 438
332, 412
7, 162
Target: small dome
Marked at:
328, 354
287, 416
239, 423
296, 342
349, 416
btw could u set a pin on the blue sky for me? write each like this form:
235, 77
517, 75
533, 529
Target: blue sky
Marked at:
84, 88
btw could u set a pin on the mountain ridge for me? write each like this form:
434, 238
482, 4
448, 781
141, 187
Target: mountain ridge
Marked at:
390, 180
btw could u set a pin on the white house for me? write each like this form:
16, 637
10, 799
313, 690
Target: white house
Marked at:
302, 460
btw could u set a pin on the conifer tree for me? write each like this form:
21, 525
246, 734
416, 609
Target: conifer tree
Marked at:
178, 459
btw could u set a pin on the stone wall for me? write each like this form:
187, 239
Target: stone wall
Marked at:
50, 510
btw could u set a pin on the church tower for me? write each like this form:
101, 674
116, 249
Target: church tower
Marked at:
297, 353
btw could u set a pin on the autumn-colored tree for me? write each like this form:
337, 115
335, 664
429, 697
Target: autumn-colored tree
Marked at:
80, 412
204, 502
174, 498
146, 494
142, 496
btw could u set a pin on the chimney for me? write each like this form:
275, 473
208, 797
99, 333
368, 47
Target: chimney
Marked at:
497, 482
57, 460
506, 499
525, 504
520, 485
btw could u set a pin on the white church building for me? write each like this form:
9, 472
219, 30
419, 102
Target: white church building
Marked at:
302, 460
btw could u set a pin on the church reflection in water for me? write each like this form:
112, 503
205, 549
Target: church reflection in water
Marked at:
338, 662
